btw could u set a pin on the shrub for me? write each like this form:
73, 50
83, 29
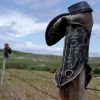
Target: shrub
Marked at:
96, 71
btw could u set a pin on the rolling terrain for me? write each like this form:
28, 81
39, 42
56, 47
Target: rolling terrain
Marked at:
30, 77
20, 60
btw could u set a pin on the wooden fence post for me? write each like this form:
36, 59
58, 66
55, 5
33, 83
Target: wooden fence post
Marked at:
74, 90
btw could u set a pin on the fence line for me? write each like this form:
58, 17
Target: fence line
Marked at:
51, 78
42, 91
93, 89
14, 91
22, 79
40, 75
4, 89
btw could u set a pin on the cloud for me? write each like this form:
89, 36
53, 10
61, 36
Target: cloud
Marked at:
35, 48
96, 29
31, 45
21, 25
94, 54
38, 49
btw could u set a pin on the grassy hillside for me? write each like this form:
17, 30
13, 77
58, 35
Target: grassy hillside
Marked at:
20, 60
31, 61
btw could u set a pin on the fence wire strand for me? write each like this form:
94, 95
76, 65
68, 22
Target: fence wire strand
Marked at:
22, 79
40, 75
95, 89
13, 91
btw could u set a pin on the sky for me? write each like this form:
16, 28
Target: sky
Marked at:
23, 24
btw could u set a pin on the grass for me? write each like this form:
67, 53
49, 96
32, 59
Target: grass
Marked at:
20, 60
20, 63
26, 92
93, 95
23, 89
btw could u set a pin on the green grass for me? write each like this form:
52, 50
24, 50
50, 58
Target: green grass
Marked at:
20, 60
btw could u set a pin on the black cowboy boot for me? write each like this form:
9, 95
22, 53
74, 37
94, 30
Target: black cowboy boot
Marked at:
76, 27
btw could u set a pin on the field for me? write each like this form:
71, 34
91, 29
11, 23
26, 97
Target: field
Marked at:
18, 89
20, 60
29, 77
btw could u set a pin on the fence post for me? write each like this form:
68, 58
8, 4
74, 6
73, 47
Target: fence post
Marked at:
74, 90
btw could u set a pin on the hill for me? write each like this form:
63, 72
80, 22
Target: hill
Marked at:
21, 60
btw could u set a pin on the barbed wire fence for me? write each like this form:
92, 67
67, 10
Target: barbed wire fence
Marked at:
14, 95
40, 90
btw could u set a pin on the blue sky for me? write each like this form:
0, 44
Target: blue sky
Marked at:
23, 24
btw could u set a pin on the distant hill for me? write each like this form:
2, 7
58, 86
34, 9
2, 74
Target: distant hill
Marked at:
24, 55
21, 60
18, 54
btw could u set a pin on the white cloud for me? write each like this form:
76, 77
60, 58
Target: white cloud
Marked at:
38, 49
35, 48
21, 24
96, 29
31, 45
94, 54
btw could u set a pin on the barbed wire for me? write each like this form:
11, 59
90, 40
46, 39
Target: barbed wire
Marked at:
4, 92
13, 90
93, 89
42, 91
51, 78
40, 75
22, 79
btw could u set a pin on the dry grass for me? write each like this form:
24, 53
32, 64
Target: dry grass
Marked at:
25, 92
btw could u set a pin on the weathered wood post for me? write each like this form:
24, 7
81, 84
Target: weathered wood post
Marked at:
75, 89
7, 51
74, 74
